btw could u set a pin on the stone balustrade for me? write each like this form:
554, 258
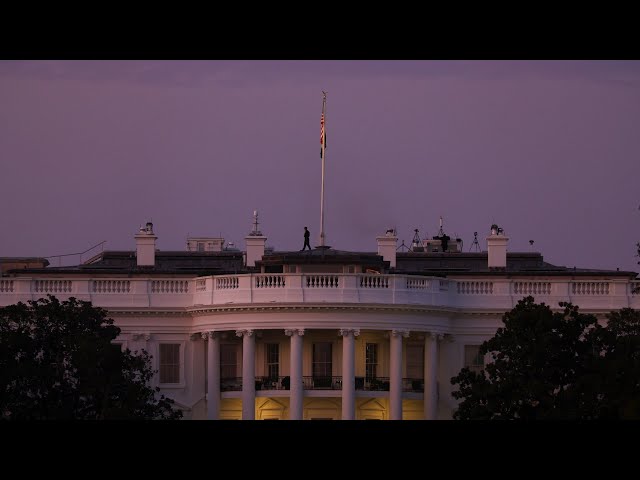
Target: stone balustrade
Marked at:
496, 293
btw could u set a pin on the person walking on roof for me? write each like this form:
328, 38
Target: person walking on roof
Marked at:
306, 239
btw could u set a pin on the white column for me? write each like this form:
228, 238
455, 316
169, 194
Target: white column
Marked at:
248, 374
213, 375
348, 373
431, 376
395, 367
296, 390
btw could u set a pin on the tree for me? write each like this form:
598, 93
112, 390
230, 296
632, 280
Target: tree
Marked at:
552, 365
617, 369
57, 361
537, 356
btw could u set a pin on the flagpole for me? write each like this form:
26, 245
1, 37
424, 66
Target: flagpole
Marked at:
323, 155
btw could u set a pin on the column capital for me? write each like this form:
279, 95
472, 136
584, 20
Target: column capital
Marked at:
400, 333
245, 333
289, 332
210, 334
438, 337
346, 331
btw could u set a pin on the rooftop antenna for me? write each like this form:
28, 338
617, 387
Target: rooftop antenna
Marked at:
416, 243
441, 231
255, 231
475, 243
403, 247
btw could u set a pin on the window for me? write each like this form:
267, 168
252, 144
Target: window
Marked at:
371, 360
169, 363
201, 246
415, 361
228, 360
472, 358
322, 359
273, 360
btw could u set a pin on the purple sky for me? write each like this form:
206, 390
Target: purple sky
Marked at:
549, 150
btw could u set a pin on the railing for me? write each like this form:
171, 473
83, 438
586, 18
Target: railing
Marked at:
322, 383
226, 282
590, 288
475, 288
421, 283
6, 286
52, 286
375, 384
231, 384
273, 383
413, 385
532, 288
501, 294
201, 285
321, 281
169, 286
111, 286
270, 281
373, 281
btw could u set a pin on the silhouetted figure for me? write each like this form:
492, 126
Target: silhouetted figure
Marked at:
306, 239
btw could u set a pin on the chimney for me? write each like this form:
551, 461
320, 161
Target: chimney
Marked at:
497, 248
146, 246
387, 247
255, 243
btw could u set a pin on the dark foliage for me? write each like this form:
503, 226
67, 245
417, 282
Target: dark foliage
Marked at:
57, 361
556, 365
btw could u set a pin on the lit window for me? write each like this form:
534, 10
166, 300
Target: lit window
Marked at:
273, 360
169, 363
371, 360
321, 367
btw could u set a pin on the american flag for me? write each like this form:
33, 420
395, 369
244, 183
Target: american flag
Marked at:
323, 136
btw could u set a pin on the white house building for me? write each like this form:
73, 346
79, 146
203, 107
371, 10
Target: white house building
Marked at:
321, 334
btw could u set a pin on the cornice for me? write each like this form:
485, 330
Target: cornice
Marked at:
182, 312
364, 307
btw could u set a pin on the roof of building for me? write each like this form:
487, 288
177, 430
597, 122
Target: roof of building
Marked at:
518, 263
232, 262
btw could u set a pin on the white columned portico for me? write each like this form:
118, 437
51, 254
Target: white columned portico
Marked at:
296, 390
395, 367
213, 375
431, 375
248, 374
348, 373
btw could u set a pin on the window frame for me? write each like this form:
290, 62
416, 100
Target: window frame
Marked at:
237, 355
371, 364
409, 365
268, 360
181, 356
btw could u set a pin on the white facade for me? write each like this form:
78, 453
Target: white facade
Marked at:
307, 346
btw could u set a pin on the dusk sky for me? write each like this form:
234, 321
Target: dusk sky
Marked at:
548, 150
